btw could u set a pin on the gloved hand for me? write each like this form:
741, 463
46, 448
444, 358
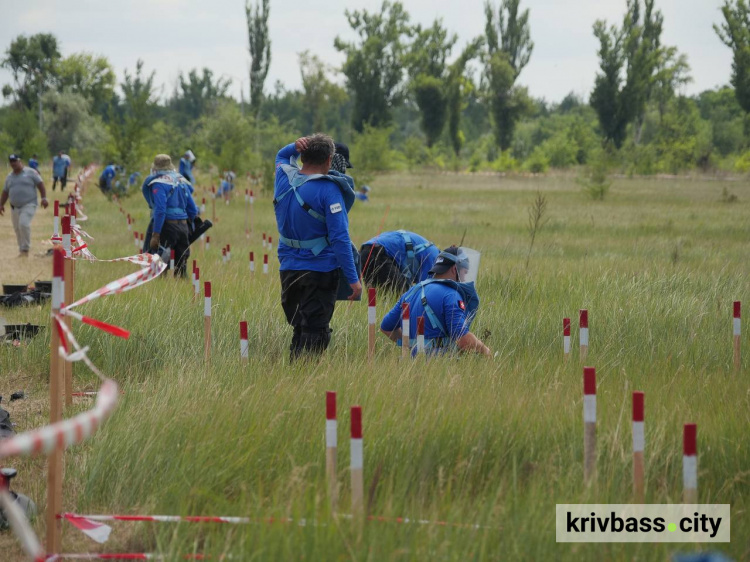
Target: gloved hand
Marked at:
153, 245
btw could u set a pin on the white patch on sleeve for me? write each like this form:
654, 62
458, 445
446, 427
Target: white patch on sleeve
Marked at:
336, 208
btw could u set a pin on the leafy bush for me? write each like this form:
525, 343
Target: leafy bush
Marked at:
537, 162
595, 180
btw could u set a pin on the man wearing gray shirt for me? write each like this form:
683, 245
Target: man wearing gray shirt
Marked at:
20, 187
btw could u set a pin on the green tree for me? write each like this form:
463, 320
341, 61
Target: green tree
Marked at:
196, 95
90, 76
33, 63
458, 86
72, 127
321, 96
259, 40
509, 48
130, 120
426, 63
374, 64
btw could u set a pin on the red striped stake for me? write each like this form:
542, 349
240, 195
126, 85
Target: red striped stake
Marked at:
69, 265
223, 255
639, 445
247, 214
213, 204
229, 252
331, 447
55, 461
252, 201
371, 323
129, 222
270, 244
405, 331
73, 214
244, 346
589, 424
264, 240
207, 321
737, 330
208, 242
56, 224
357, 463
203, 206
583, 336
135, 239
566, 338
171, 259
197, 283
690, 464
265, 264
420, 335
252, 262
141, 235
66, 234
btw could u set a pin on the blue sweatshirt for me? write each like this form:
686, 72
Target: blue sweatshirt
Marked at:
395, 246
156, 190
186, 170
293, 222
33, 164
60, 165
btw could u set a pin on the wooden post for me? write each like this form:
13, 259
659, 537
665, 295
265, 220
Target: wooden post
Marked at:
583, 334
244, 347
55, 459
420, 335
207, 321
405, 331
566, 339
331, 448
589, 424
690, 463
371, 323
357, 463
737, 330
69, 266
639, 445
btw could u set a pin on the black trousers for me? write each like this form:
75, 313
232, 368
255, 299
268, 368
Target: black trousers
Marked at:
308, 299
63, 180
381, 270
175, 236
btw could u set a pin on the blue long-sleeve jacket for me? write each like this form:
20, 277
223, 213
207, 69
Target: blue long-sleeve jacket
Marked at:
394, 244
156, 190
326, 198
186, 170
108, 174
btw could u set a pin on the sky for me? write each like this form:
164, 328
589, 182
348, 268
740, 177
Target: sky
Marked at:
173, 36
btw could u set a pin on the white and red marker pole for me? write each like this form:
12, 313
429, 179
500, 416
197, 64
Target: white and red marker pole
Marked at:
639, 446
589, 424
229, 252
56, 238
141, 235
405, 331
197, 293
264, 240
265, 264
690, 463
244, 345
208, 242
270, 244
68, 296
213, 204
736, 329
171, 260
129, 223
55, 460
135, 239
73, 213
583, 334
247, 214
331, 447
252, 202
420, 335
566, 338
207, 321
224, 255
357, 463
371, 323
193, 280
252, 263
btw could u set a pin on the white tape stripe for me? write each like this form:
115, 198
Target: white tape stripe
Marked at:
737, 326
589, 408
207, 307
584, 336
420, 343
331, 433
371, 315
566, 344
244, 349
58, 292
690, 472
357, 462
639, 437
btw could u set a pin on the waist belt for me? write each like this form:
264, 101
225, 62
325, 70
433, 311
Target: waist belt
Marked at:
316, 245
176, 221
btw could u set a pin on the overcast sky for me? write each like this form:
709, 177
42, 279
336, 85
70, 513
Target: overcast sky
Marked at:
177, 35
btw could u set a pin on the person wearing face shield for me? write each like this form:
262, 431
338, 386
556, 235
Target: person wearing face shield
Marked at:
449, 303
187, 163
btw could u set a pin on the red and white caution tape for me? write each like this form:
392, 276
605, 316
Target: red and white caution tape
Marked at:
119, 556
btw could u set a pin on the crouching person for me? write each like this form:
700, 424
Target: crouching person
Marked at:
448, 301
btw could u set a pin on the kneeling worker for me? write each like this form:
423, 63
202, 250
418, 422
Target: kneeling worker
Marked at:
448, 301
396, 260
168, 196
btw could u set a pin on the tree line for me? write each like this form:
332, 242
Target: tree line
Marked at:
410, 90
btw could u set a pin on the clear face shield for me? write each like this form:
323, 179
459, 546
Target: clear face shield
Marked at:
190, 156
468, 264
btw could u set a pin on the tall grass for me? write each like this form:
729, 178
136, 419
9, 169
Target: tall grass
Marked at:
495, 443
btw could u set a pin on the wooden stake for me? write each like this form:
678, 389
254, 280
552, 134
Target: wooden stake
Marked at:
357, 463
583, 334
737, 330
690, 463
56, 375
207, 321
371, 323
331, 448
589, 425
405, 331
639, 445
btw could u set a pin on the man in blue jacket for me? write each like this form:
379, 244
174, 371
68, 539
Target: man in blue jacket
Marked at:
60, 167
311, 206
172, 207
106, 177
187, 162
397, 259
34, 163
449, 305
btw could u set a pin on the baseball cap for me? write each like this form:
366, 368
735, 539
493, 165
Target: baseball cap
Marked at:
342, 149
13, 157
448, 258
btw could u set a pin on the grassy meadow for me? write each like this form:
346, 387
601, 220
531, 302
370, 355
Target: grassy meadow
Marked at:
496, 443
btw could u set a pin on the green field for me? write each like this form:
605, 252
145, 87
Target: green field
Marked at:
468, 440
